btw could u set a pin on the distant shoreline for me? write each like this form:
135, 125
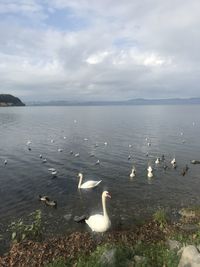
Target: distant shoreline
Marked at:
132, 102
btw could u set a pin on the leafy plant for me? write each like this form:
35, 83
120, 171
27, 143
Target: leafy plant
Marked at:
123, 257
156, 255
160, 217
21, 230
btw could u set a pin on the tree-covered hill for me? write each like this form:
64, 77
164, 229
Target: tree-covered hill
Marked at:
10, 100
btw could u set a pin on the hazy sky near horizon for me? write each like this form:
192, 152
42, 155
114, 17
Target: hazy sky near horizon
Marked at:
99, 49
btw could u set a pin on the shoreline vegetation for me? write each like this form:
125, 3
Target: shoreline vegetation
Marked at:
157, 242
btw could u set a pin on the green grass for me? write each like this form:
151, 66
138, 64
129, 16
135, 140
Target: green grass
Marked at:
123, 255
21, 230
160, 217
156, 255
153, 255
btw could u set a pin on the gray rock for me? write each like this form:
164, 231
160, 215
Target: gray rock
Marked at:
190, 257
108, 257
173, 244
139, 259
187, 213
190, 227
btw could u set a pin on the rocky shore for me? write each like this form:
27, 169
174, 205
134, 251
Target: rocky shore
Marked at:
157, 242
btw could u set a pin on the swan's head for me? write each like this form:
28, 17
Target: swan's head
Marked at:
106, 194
80, 175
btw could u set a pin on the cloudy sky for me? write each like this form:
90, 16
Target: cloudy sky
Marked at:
99, 49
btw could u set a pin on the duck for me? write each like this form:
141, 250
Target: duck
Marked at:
51, 169
195, 161
88, 184
5, 162
43, 198
40, 156
76, 155
47, 201
51, 203
100, 223
60, 150
80, 219
185, 170
133, 173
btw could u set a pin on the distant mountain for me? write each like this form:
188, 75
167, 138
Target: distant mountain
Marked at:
10, 100
137, 101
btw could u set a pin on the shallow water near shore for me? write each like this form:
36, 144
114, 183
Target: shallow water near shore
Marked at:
169, 129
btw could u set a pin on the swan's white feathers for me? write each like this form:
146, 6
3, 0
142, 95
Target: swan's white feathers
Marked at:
90, 184
98, 223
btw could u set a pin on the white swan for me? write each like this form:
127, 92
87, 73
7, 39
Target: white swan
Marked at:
133, 173
88, 184
100, 223
149, 169
157, 161
150, 172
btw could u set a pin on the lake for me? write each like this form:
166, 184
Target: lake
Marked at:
172, 130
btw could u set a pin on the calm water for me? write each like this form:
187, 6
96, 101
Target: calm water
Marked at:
25, 176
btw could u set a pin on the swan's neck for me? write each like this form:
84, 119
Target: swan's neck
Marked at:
80, 181
105, 214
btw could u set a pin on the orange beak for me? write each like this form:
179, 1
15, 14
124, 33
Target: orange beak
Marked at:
108, 195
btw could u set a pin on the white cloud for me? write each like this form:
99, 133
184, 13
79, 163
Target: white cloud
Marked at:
127, 49
97, 58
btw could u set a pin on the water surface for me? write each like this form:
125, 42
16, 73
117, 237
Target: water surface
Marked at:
25, 176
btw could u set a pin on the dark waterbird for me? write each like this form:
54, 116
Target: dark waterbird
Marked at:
195, 161
80, 219
47, 201
185, 170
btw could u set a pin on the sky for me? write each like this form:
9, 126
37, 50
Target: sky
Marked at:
99, 49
